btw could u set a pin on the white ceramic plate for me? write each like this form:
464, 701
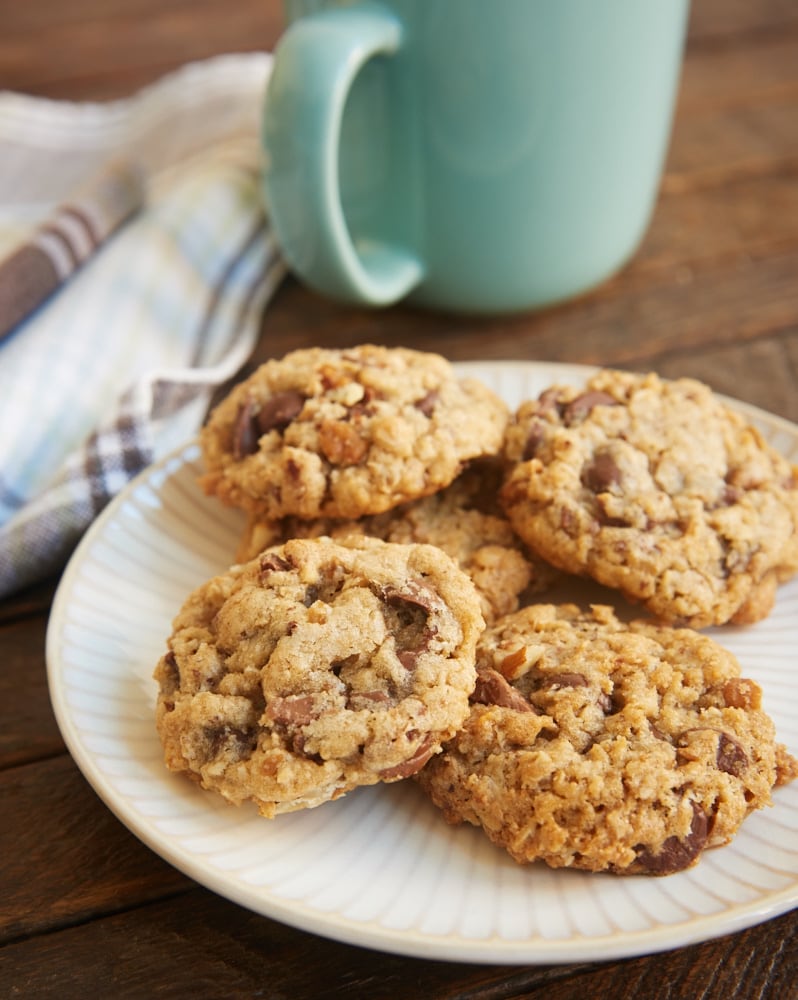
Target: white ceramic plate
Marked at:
379, 868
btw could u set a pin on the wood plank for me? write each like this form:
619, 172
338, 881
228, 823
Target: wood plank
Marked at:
65, 856
768, 369
742, 217
630, 321
81, 64
28, 730
203, 946
718, 21
748, 71
733, 144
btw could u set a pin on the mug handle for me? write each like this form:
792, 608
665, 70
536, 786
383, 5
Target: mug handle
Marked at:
315, 65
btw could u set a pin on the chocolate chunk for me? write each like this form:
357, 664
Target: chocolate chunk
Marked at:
601, 474
407, 617
611, 704
534, 439
229, 739
427, 403
413, 593
580, 407
358, 700
270, 562
245, 431
604, 702
566, 679
412, 764
293, 710
492, 689
676, 854
279, 410
549, 401
731, 757
409, 657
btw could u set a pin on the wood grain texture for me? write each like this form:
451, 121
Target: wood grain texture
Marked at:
198, 945
85, 908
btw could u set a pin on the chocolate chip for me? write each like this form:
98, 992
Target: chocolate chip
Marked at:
414, 593
534, 439
580, 407
298, 743
601, 474
566, 679
427, 403
492, 689
611, 704
293, 710
549, 401
676, 854
357, 700
279, 410
409, 657
271, 562
407, 619
230, 739
731, 757
245, 431
412, 764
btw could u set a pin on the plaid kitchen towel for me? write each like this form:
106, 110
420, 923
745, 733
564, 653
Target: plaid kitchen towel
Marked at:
136, 234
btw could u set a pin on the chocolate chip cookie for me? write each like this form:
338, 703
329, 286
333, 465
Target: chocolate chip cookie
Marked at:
318, 667
597, 745
343, 433
658, 489
464, 519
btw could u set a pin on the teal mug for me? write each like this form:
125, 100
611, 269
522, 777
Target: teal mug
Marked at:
468, 155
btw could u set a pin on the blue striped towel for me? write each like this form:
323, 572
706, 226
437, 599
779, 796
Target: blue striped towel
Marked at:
117, 367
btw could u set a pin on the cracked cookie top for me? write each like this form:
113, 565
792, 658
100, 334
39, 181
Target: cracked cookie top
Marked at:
606, 746
342, 433
317, 667
658, 489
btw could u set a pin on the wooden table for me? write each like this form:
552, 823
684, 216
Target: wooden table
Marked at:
85, 908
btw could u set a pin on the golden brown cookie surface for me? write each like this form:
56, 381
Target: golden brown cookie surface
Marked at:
318, 667
342, 433
657, 489
604, 746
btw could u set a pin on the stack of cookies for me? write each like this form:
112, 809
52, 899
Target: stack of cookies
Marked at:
392, 613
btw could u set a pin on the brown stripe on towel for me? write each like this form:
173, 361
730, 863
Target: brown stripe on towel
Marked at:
60, 245
82, 218
27, 278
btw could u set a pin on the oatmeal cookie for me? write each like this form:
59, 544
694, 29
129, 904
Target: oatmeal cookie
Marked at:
657, 489
342, 433
464, 519
599, 745
318, 667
